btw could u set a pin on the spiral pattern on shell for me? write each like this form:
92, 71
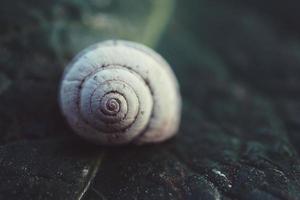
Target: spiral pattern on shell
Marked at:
117, 92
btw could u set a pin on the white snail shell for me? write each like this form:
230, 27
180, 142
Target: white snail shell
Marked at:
118, 92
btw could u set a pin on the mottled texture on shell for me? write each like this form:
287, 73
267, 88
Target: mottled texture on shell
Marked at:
117, 92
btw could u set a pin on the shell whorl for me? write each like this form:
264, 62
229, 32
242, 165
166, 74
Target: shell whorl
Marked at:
114, 100
115, 92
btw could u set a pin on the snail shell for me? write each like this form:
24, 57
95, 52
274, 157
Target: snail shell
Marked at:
118, 92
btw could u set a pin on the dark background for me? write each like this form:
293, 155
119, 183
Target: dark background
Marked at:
238, 64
